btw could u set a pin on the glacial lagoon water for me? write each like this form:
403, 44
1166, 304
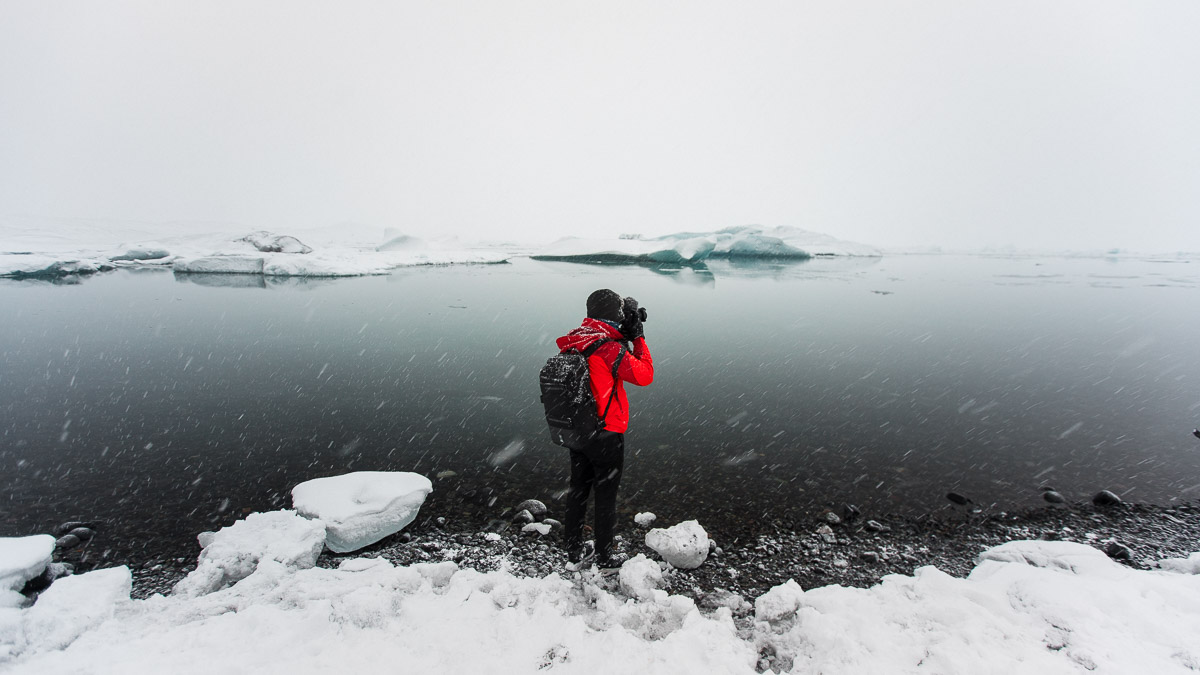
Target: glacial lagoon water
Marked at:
163, 405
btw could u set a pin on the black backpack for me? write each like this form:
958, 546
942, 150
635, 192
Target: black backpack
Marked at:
567, 396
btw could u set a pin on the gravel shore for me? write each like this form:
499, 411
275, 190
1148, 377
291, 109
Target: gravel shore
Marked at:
831, 549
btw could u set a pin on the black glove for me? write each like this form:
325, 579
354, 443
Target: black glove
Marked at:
631, 326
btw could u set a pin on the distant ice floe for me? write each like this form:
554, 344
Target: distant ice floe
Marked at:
736, 243
31, 248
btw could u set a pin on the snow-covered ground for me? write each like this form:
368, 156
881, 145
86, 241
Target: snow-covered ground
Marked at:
1029, 606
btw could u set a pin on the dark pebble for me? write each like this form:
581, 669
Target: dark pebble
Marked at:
84, 533
67, 541
71, 525
957, 498
1106, 498
523, 516
870, 556
832, 518
876, 526
1054, 497
1118, 551
554, 524
850, 513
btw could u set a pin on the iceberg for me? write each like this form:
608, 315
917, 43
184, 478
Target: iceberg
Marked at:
736, 243
23, 558
684, 545
51, 248
360, 508
234, 552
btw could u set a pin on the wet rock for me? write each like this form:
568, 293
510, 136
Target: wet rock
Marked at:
441, 521
870, 556
1106, 498
552, 523
876, 526
523, 516
1196, 433
832, 518
1054, 497
66, 527
850, 513
957, 498
535, 508
1118, 551
67, 542
826, 534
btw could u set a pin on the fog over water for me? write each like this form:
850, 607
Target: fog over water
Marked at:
955, 123
167, 404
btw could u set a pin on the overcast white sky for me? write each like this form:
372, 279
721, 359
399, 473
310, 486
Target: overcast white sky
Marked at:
959, 123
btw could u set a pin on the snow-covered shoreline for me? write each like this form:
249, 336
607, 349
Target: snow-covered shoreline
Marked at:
440, 601
1053, 606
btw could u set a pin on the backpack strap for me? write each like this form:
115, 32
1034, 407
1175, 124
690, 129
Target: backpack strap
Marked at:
616, 364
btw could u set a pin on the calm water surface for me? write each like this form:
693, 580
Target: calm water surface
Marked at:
165, 405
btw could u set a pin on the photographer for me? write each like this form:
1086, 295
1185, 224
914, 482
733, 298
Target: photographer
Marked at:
599, 464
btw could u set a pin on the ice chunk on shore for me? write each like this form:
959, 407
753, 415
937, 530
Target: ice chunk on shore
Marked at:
232, 553
684, 545
640, 577
781, 602
1188, 565
645, 519
23, 558
74, 605
361, 508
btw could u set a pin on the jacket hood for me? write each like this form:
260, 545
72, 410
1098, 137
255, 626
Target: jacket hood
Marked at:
587, 333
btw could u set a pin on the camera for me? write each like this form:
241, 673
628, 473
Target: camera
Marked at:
631, 322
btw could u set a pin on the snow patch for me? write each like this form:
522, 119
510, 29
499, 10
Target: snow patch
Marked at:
234, 552
73, 606
23, 558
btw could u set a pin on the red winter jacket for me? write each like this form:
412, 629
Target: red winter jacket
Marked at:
636, 368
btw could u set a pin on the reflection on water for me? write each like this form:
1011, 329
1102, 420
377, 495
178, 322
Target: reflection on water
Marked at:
168, 404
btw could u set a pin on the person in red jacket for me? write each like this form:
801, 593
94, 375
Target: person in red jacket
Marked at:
599, 465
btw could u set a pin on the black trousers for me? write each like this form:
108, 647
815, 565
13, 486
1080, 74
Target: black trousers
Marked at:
597, 466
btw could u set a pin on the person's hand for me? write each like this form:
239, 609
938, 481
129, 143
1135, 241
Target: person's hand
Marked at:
631, 327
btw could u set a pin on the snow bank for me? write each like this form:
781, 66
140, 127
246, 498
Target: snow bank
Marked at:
233, 553
360, 508
23, 558
689, 247
1046, 607
72, 606
684, 545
